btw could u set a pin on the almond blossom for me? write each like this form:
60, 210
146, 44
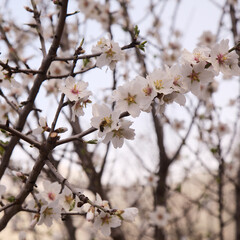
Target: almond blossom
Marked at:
105, 221
36, 204
195, 76
178, 84
207, 39
199, 54
43, 126
129, 98
224, 61
48, 213
79, 105
104, 119
161, 81
67, 200
121, 132
75, 90
159, 217
110, 51
147, 91
128, 214
51, 191
8, 81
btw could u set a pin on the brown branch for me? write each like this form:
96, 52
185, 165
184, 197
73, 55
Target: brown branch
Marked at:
35, 88
46, 147
77, 137
20, 135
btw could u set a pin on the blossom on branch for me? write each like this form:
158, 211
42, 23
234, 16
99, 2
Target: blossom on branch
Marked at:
159, 217
104, 222
110, 51
42, 128
129, 98
121, 132
79, 105
75, 90
51, 191
195, 76
48, 213
224, 61
104, 119
161, 81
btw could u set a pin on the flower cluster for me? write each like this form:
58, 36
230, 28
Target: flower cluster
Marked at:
105, 220
110, 126
51, 203
196, 71
110, 51
54, 201
76, 93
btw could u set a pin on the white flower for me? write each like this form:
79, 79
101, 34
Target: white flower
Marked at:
2, 190
195, 76
104, 118
152, 180
51, 190
199, 54
48, 213
178, 83
36, 204
207, 39
129, 98
66, 200
58, 68
79, 105
87, 7
111, 53
100, 202
128, 214
42, 128
170, 98
75, 89
161, 81
52, 86
222, 129
159, 217
121, 132
147, 92
7, 81
90, 214
224, 61
104, 222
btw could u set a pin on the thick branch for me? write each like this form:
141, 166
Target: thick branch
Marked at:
36, 86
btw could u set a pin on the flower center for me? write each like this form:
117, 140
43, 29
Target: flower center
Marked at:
106, 122
75, 90
106, 219
68, 199
158, 84
130, 99
51, 196
118, 133
175, 81
110, 53
221, 58
48, 211
147, 90
194, 76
